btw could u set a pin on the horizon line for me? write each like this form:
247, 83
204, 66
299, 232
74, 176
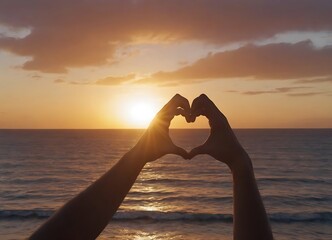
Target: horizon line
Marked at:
276, 128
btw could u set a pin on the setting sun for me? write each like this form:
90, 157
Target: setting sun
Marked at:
140, 113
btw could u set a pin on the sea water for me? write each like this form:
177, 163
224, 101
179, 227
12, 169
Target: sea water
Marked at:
173, 198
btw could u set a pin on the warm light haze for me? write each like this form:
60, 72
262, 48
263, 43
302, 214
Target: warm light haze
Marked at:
139, 112
114, 64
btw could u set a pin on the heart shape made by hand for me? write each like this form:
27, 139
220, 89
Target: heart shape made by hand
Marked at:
220, 144
178, 105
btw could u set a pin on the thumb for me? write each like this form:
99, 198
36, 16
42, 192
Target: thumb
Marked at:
196, 151
180, 151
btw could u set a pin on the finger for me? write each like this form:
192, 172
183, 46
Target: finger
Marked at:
179, 111
180, 151
202, 105
197, 151
171, 108
163, 119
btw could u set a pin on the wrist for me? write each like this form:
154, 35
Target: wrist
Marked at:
141, 153
136, 156
240, 164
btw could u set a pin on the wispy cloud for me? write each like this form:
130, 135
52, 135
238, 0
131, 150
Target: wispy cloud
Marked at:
36, 76
111, 80
288, 91
59, 81
315, 80
107, 81
306, 94
271, 91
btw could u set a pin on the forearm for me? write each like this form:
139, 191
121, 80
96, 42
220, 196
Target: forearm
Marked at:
86, 215
250, 218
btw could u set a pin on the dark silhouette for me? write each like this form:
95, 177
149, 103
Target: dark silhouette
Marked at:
86, 215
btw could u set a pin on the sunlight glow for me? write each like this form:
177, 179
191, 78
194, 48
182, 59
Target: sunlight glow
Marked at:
139, 113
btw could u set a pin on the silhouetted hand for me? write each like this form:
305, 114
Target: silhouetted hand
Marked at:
156, 141
250, 218
222, 143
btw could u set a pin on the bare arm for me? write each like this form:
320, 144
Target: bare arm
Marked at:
86, 215
250, 219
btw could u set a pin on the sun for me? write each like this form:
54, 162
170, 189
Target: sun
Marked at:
139, 113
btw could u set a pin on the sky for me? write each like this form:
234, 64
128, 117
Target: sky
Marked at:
95, 63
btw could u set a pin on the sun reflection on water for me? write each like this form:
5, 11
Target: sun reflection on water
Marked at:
145, 236
151, 208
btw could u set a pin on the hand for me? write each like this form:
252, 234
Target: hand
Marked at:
222, 143
250, 218
156, 141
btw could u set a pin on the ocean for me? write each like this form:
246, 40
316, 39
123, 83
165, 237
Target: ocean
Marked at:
173, 198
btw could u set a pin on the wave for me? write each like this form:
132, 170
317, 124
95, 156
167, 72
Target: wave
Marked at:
178, 199
25, 214
171, 216
186, 182
325, 217
164, 197
294, 180
184, 216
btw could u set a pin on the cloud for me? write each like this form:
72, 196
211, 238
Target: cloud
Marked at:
273, 61
59, 81
289, 91
79, 83
276, 90
72, 33
115, 80
36, 76
59, 53
107, 81
306, 94
315, 80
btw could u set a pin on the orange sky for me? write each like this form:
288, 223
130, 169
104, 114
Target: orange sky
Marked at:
70, 64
